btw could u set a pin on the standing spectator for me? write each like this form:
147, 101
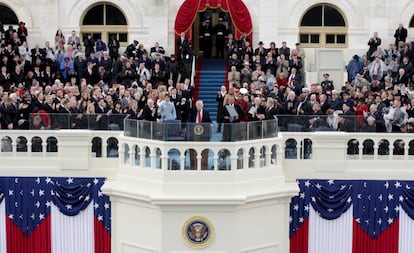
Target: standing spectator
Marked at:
407, 65
172, 69
8, 35
294, 81
354, 67
282, 65
66, 67
284, 50
221, 32
106, 62
373, 44
59, 39
22, 31
228, 118
5, 81
5, 121
74, 39
261, 52
234, 61
207, 33
220, 106
377, 69
131, 49
400, 35
157, 49
273, 50
157, 75
200, 116
298, 51
399, 118
182, 45
100, 48
17, 77
150, 111
406, 51
89, 45
327, 85
113, 46
270, 63
38, 54
234, 78
390, 53
230, 45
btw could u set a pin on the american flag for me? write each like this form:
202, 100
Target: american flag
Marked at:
375, 207
28, 202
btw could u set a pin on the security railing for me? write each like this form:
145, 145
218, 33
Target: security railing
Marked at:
342, 123
56, 121
176, 130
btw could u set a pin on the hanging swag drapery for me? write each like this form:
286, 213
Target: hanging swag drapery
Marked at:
352, 216
238, 12
54, 215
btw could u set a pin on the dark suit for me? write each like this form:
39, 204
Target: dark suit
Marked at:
255, 125
5, 119
231, 126
157, 50
230, 47
148, 114
5, 82
38, 54
400, 35
205, 116
182, 45
205, 134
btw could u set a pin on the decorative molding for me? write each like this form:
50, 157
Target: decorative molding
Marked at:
21, 10
132, 14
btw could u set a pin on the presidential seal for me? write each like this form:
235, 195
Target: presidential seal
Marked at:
198, 232
198, 130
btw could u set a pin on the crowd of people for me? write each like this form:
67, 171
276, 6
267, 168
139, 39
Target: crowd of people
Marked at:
70, 83
377, 97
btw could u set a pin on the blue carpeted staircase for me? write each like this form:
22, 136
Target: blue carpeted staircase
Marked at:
212, 77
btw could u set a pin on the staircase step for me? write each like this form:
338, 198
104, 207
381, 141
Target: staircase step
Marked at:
211, 77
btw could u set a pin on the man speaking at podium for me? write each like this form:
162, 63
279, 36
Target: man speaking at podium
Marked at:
199, 130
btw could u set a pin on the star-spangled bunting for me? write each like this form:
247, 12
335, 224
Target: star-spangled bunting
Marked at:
29, 200
376, 204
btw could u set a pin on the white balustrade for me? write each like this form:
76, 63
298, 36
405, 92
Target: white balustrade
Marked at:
291, 155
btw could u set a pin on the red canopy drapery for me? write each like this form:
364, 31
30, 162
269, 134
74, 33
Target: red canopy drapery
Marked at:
238, 12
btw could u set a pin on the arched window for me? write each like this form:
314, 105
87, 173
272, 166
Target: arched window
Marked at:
411, 25
8, 17
323, 26
104, 20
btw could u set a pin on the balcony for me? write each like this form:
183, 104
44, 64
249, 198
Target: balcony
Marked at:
181, 158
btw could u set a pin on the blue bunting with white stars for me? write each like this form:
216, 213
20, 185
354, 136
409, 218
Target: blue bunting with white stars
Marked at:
376, 203
29, 199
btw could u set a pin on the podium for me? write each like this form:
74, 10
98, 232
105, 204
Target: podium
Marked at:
198, 131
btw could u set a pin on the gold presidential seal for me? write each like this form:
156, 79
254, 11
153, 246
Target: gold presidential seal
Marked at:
198, 232
198, 130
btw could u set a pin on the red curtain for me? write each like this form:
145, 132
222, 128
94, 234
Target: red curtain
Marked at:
241, 18
299, 240
238, 12
39, 240
102, 238
386, 242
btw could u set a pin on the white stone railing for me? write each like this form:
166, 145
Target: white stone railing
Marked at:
144, 153
59, 152
348, 155
287, 157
